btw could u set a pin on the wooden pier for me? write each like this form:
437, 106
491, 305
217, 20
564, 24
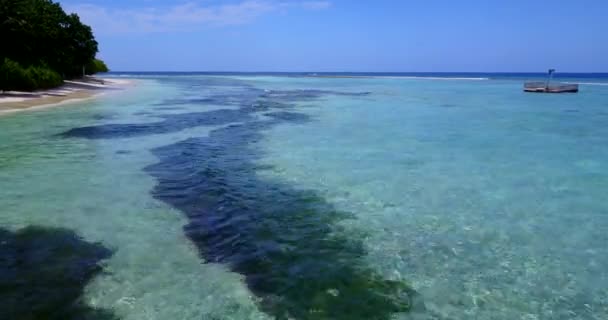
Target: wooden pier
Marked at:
548, 87
551, 88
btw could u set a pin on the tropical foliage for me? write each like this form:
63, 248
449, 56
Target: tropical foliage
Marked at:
96, 66
42, 44
15, 77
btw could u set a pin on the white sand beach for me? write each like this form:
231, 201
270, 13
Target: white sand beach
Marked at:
70, 92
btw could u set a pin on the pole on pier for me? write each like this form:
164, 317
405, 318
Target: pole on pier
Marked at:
549, 78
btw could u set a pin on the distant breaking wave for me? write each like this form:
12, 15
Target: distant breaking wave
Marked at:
309, 75
395, 77
456, 77
590, 83
434, 78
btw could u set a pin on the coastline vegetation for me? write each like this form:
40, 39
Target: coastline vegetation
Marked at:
44, 46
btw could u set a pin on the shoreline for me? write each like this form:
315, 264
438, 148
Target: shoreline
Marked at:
71, 92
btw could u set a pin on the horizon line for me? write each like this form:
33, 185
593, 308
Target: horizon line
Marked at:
395, 72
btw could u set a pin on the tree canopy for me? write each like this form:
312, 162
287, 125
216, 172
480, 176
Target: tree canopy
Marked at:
37, 35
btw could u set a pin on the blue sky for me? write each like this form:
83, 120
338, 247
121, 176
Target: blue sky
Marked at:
349, 35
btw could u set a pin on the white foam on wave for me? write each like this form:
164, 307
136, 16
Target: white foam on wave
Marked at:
590, 83
433, 78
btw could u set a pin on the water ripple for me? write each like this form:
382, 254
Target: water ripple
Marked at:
287, 243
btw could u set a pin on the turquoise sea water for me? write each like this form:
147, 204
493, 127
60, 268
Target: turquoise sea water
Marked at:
261, 197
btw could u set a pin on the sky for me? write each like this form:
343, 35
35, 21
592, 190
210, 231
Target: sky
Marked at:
349, 35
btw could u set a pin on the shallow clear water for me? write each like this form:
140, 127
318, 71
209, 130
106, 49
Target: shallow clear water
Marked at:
241, 197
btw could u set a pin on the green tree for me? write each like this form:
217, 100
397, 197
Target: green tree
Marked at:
40, 37
96, 66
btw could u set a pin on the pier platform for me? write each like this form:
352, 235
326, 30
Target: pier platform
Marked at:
542, 87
